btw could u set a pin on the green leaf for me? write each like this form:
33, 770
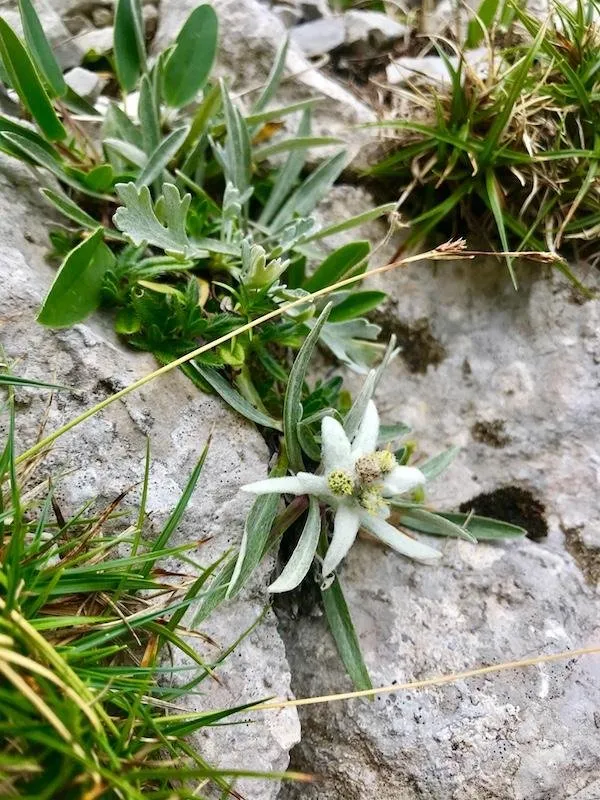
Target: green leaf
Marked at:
438, 464
76, 290
40, 49
130, 152
292, 404
234, 398
303, 143
486, 14
129, 47
236, 156
189, 64
352, 222
287, 175
493, 198
256, 533
138, 221
274, 78
482, 528
159, 159
49, 161
70, 209
297, 567
353, 342
340, 624
8, 125
355, 304
391, 433
26, 83
337, 265
148, 114
17, 380
436, 523
304, 199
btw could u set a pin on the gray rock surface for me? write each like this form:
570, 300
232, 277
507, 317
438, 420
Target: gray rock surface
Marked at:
250, 36
514, 379
320, 36
86, 83
105, 455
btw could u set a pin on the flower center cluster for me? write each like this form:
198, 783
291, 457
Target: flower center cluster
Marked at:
363, 484
340, 482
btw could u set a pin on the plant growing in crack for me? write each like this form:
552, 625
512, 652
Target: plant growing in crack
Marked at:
355, 467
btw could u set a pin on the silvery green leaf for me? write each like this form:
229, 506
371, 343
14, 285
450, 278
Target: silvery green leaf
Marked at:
235, 156
292, 404
434, 523
287, 175
234, 398
482, 528
256, 532
367, 390
160, 157
436, 465
132, 154
137, 218
352, 342
311, 191
274, 78
391, 433
296, 568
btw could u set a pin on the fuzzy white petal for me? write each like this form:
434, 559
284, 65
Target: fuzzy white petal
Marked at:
296, 568
399, 541
401, 480
313, 484
292, 484
345, 527
335, 447
365, 440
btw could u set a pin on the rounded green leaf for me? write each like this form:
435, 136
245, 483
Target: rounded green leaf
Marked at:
128, 44
76, 290
190, 63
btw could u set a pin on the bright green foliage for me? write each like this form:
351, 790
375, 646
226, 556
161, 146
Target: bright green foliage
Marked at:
514, 154
207, 234
86, 612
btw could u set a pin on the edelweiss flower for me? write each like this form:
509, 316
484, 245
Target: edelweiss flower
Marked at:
357, 481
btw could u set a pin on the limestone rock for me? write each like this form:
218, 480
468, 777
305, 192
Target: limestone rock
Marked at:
320, 36
512, 378
86, 83
105, 455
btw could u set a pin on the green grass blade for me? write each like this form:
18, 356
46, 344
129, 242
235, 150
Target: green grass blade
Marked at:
493, 199
69, 208
179, 509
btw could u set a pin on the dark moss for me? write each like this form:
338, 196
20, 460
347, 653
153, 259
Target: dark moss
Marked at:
514, 505
419, 347
587, 558
490, 432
